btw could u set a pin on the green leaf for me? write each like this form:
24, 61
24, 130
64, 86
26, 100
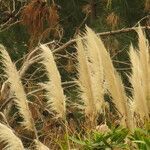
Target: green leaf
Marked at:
77, 141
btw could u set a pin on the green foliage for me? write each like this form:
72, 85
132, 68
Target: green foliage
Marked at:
141, 137
16, 41
115, 138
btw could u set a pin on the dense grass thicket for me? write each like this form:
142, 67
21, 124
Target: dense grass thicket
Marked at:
100, 112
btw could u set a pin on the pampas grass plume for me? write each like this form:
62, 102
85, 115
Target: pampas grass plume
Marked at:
9, 139
144, 58
115, 85
54, 91
135, 79
85, 82
40, 146
16, 88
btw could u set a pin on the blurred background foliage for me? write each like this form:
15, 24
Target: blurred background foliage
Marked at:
26, 23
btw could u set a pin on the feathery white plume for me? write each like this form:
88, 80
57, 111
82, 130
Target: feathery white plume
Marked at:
85, 82
96, 68
144, 58
115, 85
16, 88
40, 146
137, 80
54, 91
9, 139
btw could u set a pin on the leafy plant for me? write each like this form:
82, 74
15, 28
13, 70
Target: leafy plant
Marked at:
115, 138
141, 138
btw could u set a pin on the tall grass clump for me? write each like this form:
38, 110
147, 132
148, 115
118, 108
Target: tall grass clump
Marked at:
16, 89
140, 78
98, 83
93, 47
9, 139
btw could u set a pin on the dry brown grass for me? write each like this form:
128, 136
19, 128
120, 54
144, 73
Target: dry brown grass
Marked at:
41, 21
113, 20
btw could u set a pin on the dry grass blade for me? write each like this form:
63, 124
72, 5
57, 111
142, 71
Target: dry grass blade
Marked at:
55, 95
16, 88
9, 139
